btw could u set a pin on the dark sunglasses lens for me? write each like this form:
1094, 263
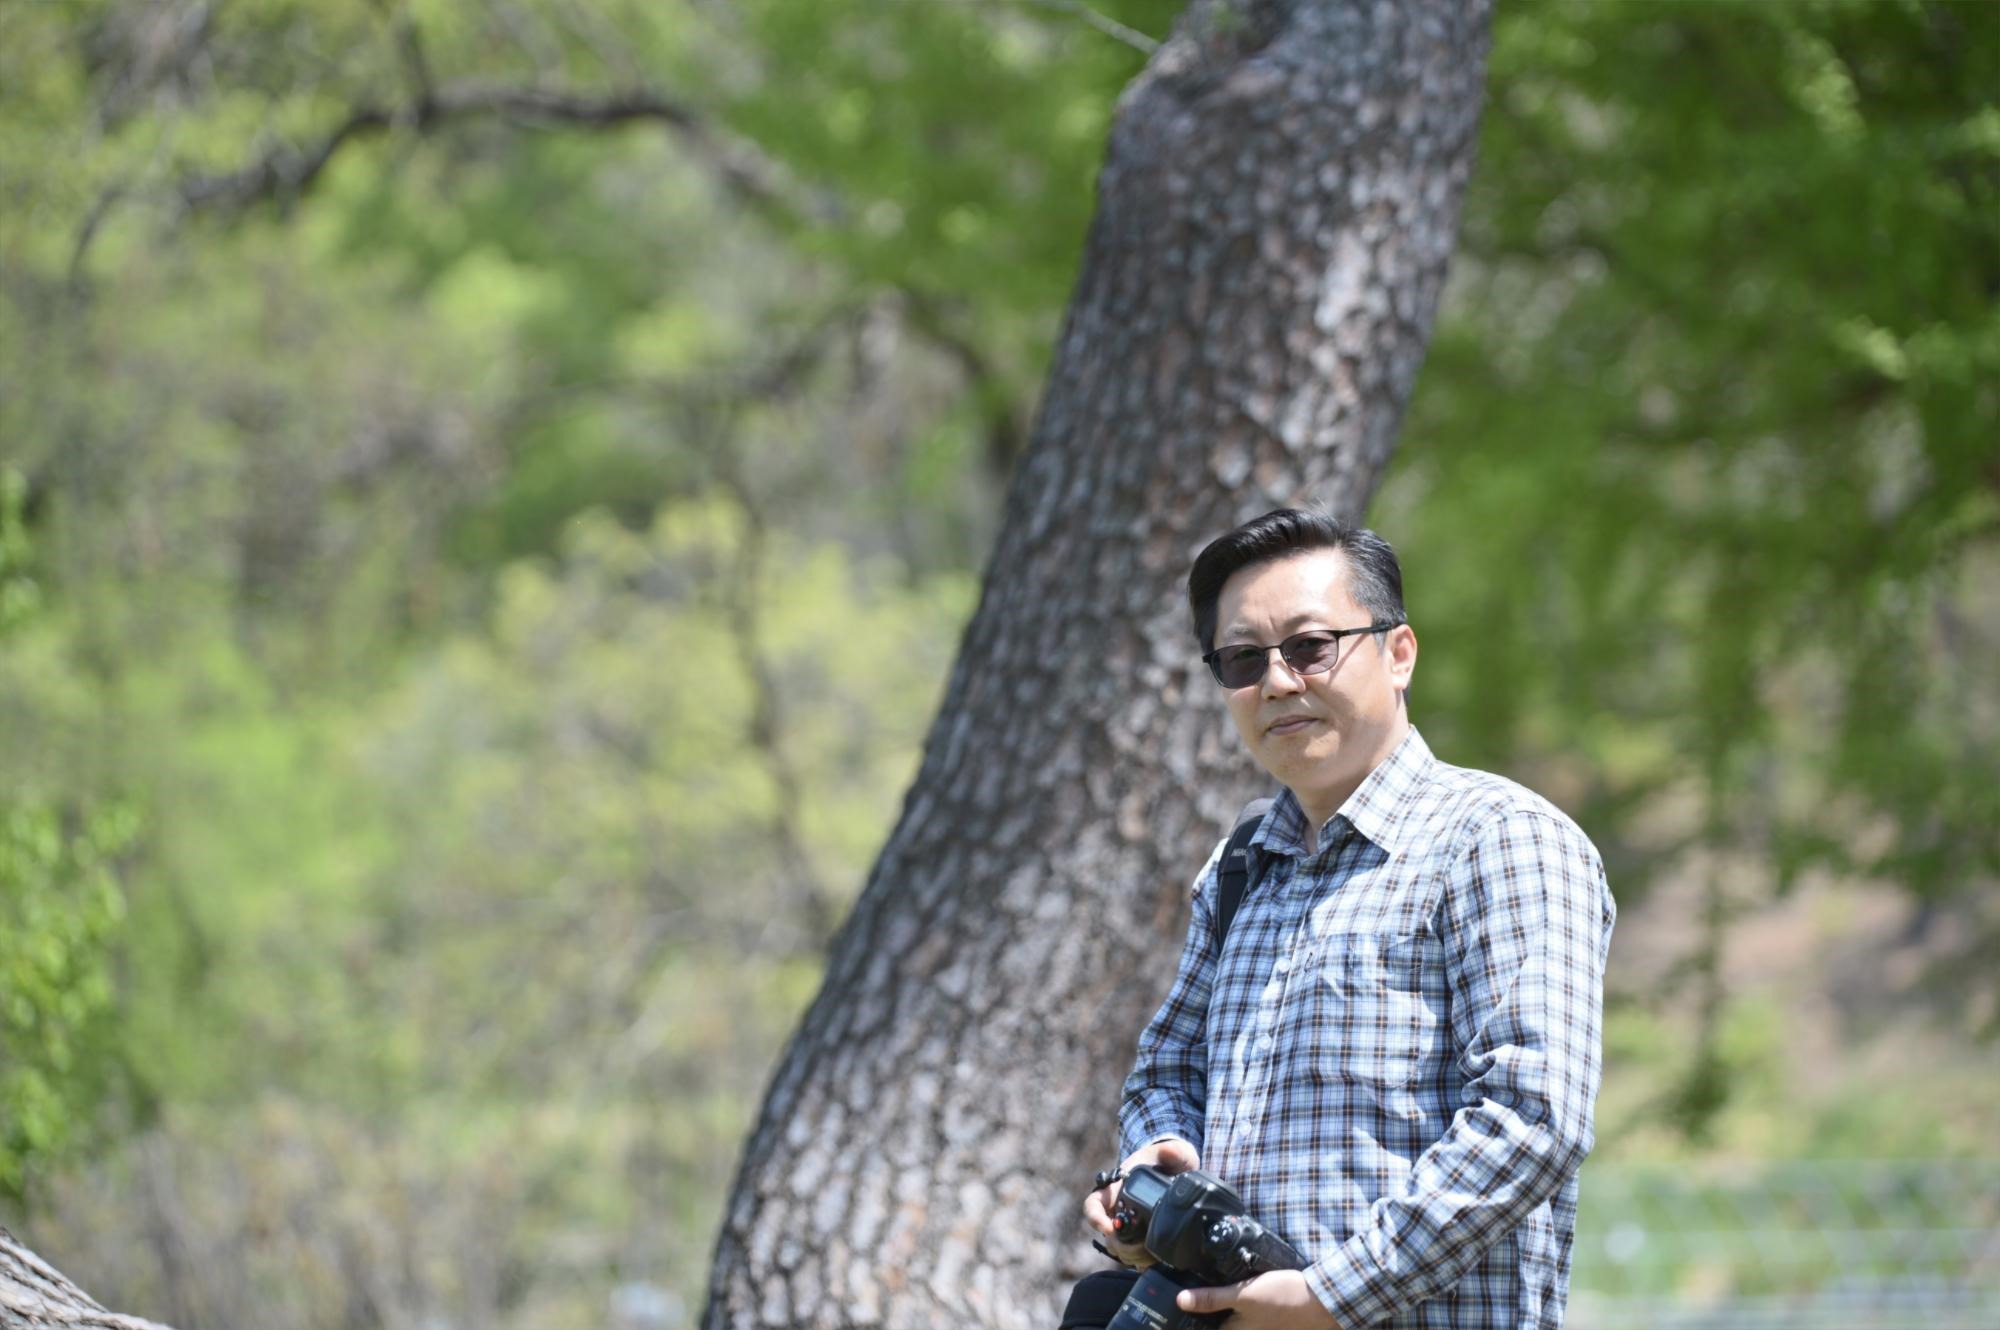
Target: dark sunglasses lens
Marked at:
1239, 667
1310, 653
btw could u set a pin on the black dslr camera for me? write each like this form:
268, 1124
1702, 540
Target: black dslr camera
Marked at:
1194, 1226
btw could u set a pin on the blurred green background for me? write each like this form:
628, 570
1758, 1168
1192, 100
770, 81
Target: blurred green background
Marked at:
489, 493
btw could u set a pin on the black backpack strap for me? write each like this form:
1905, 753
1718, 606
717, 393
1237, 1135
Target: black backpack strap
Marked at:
1233, 876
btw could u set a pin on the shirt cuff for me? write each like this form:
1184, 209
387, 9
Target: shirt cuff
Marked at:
1146, 1123
1352, 1285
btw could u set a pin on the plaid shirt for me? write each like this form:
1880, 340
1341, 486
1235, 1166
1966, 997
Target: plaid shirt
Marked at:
1395, 1057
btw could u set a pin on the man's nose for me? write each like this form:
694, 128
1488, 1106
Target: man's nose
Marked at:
1280, 679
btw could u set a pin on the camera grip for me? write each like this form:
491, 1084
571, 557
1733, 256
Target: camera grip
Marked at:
1241, 1248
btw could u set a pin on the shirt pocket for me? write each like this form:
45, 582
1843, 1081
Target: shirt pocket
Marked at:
1380, 995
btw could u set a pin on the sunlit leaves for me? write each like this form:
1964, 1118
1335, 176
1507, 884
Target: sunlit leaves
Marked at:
1725, 457
60, 912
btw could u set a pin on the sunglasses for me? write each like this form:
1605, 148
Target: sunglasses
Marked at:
1241, 664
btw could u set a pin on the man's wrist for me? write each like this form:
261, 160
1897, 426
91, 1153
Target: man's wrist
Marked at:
1351, 1285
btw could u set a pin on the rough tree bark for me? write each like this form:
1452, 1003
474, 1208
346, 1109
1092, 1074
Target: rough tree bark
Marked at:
1275, 213
35, 1296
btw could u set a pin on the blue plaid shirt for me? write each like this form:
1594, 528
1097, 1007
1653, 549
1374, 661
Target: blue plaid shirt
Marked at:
1395, 1057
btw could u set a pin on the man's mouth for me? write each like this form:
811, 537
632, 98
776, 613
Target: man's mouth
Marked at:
1290, 724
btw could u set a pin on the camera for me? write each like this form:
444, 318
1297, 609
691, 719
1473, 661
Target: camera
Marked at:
1196, 1228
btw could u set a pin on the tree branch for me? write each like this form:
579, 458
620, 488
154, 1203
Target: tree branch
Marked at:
1103, 23
410, 50
1006, 438
286, 172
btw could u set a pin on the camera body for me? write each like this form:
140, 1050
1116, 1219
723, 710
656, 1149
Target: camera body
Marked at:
1196, 1228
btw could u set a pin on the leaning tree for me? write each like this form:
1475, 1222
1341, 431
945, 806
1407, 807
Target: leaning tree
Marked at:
1275, 213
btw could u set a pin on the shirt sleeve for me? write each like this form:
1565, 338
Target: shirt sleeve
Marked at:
1525, 921
1167, 1092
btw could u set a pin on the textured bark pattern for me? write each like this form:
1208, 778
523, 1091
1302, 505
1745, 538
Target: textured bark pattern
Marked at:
35, 1296
1275, 213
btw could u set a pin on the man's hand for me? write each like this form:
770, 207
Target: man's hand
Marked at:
1276, 1301
1173, 1155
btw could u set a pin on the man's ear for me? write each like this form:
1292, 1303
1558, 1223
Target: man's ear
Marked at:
1401, 642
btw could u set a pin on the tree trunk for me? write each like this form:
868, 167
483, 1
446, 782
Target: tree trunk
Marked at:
1275, 213
35, 1296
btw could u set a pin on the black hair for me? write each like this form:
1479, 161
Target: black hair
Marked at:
1374, 578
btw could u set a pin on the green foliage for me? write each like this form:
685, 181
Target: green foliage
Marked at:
60, 911
622, 763
1718, 380
1717, 383
961, 141
19, 595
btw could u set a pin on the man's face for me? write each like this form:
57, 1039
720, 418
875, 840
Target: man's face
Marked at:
1317, 733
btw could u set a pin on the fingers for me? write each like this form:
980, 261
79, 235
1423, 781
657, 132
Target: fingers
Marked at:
1172, 1155
1176, 1155
1220, 1299
1277, 1297
1098, 1205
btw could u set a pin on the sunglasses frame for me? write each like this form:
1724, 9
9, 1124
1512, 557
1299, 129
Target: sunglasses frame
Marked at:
1214, 663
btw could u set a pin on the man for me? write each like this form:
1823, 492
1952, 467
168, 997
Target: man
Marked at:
1394, 1054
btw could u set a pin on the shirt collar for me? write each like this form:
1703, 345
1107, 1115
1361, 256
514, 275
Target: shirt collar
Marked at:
1371, 810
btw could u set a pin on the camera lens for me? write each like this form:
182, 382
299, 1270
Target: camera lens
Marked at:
1150, 1306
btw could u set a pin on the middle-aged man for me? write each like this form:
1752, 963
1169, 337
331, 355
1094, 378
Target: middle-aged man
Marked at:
1394, 1056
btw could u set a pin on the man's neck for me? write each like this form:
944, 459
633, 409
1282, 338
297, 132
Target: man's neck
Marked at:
1323, 802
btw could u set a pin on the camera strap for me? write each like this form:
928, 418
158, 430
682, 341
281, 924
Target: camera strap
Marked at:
1233, 876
